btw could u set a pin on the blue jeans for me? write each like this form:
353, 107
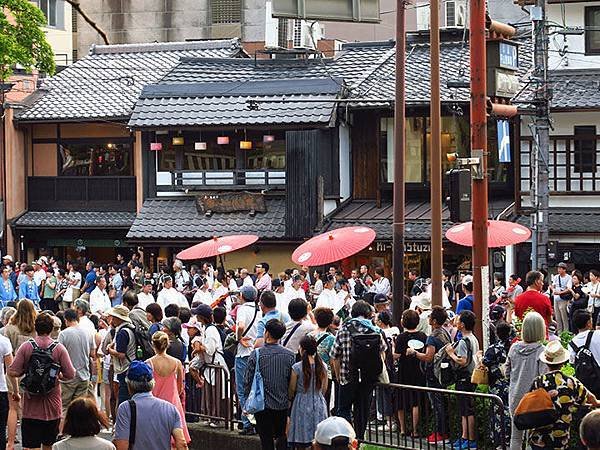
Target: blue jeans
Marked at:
123, 391
241, 364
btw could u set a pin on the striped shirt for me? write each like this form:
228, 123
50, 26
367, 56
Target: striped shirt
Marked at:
275, 365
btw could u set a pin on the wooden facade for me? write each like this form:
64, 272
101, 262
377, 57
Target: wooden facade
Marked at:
365, 155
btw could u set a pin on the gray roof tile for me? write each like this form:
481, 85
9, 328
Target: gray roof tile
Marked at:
569, 221
571, 89
75, 219
107, 83
178, 219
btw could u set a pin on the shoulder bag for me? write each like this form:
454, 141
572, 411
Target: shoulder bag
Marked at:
231, 341
536, 409
132, 423
256, 398
566, 295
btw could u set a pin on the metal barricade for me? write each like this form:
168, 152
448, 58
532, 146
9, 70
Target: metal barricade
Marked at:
396, 408
215, 400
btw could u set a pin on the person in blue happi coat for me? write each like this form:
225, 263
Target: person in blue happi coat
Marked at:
7, 290
28, 289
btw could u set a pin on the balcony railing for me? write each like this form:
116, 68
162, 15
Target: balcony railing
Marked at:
81, 193
247, 179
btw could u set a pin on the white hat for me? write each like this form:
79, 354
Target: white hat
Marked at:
331, 428
120, 312
467, 279
554, 353
10, 258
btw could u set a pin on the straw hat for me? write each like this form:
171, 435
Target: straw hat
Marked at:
120, 312
554, 353
424, 302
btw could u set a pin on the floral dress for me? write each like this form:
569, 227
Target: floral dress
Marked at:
571, 394
494, 359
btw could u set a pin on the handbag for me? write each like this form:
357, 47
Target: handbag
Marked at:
566, 295
256, 398
480, 375
536, 409
384, 376
231, 341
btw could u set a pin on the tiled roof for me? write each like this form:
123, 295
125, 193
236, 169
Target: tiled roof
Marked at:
106, 83
417, 218
569, 221
75, 219
178, 219
226, 103
571, 89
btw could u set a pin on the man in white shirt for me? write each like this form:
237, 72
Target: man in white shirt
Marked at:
182, 277
83, 308
582, 321
381, 285
246, 278
295, 290
328, 297
203, 294
170, 296
248, 316
561, 286
99, 300
39, 274
281, 297
145, 297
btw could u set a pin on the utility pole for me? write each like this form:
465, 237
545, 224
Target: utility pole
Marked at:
399, 142
436, 157
479, 190
541, 138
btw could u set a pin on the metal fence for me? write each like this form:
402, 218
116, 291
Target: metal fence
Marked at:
215, 401
396, 409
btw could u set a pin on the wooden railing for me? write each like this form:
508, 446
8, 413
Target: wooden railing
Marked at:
81, 193
247, 179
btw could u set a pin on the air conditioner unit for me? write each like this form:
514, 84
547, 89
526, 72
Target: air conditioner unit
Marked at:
301, 34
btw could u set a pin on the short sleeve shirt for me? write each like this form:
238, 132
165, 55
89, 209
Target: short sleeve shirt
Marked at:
5, 350
90, 280
152, 434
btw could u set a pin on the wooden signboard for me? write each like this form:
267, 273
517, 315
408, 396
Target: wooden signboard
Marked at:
231, 202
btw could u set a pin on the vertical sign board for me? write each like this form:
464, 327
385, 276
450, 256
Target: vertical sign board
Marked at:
508, 55
503, 141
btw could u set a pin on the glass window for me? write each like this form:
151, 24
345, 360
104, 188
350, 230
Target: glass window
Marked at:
48, 7
592, 30
265, 155
585, 149
95, 159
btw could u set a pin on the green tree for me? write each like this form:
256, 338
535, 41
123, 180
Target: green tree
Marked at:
22, 39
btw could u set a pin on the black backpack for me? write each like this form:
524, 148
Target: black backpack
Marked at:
42, 371
143, 341
365, 362
586, 368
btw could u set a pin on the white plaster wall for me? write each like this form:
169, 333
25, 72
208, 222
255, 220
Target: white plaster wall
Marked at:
345, 158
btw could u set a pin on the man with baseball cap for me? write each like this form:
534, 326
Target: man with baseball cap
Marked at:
334, 433
144, 434
122, 349
561, 290
247, 318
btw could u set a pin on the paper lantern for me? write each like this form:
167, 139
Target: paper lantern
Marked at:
178, 140
246, 145
200, 146
223, 140
268, 138
156, 146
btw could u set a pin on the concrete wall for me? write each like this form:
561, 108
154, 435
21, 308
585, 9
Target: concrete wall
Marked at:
573, 17
131, 21
279, 257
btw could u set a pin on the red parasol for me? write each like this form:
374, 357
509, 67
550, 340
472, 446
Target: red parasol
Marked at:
333, 246
217, 246
500, 234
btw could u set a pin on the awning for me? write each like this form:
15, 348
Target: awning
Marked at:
180, 220
565, 221
74, 219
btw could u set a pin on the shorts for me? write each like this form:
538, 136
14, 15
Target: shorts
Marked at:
465, 403
36, 433
106, 376
71, 390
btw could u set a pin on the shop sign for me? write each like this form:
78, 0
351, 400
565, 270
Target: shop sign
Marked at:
409, 247
231, 202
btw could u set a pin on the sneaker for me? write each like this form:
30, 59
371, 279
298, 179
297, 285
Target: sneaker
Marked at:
458, 444
469, 445
436, 437
247, 432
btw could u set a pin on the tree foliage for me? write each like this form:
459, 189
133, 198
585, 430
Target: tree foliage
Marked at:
22, 39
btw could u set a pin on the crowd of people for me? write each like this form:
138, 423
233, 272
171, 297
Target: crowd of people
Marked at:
123, 343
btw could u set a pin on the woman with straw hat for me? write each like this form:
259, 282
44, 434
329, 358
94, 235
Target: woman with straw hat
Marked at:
566, 392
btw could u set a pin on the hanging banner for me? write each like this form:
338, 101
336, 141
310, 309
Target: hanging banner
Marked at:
503, 141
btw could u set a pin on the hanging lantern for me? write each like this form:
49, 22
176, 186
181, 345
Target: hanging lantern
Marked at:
178, 140
199, 145
268, 138
223, 140
246, 145
156, 146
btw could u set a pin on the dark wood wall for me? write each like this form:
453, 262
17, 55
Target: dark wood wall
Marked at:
365, 155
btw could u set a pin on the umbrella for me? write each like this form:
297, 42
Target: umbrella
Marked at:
217, 246
333, 246
500, 233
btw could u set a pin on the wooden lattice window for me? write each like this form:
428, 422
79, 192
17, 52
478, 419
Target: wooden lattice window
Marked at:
226, 11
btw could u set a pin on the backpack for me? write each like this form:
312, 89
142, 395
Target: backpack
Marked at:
42, 371
143, 341
365, 362
446, 371
586, 368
